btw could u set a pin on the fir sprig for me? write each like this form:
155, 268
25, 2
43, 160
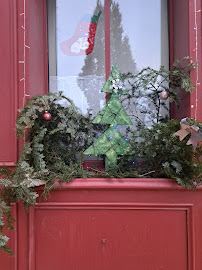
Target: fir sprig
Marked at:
53, 149
165, 155
145, 88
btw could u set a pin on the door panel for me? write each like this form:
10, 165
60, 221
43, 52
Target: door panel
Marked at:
109, 237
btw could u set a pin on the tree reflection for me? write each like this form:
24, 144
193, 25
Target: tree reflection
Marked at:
92, 75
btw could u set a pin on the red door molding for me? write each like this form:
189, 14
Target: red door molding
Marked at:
183, 43
8, 79
153, 217
196, 96
10, 262
93, 221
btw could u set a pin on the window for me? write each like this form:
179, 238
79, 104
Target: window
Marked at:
87, 37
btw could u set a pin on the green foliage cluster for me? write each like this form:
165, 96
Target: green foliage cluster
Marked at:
146, 86
12, 189
53, 149
163, 155
4, 210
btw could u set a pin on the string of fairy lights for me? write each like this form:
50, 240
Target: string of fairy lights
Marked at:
23, 61
196, 12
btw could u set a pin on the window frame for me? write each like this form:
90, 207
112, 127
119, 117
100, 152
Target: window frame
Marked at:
37, 57
178, 38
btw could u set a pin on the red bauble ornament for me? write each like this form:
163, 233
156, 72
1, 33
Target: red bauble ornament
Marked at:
164, 95
46, 116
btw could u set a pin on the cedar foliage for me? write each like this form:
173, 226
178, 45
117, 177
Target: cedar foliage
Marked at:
53, 149
164, 155
146, 86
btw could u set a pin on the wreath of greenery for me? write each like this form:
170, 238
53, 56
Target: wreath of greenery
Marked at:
53, 149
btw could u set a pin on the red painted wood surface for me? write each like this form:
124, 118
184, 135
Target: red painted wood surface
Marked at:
36, 67
128, 237
197, 94
179, 48
107, 43
107, 39
36, 57
96, 165
38, 62
11, 71
182, 43
8, 83
117, 224
8, 262
111, 224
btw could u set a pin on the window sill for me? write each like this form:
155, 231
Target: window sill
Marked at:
121, 184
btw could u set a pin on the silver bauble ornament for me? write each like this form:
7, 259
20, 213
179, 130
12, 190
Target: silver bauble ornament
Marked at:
164, 95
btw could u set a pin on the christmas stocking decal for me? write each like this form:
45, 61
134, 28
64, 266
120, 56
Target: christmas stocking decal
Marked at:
82, 41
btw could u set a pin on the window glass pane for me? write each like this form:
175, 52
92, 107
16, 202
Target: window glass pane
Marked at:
139, 34
139, 39
76, 33
76, 62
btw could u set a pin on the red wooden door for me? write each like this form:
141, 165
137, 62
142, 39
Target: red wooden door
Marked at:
117, 224
94, 224
110, 224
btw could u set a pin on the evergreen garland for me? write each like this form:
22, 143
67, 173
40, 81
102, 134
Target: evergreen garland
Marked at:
164, 155
53, 149
146, 86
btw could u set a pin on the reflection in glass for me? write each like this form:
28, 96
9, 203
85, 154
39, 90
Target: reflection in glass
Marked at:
76, 33
139, 39
139, 34
79, 63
